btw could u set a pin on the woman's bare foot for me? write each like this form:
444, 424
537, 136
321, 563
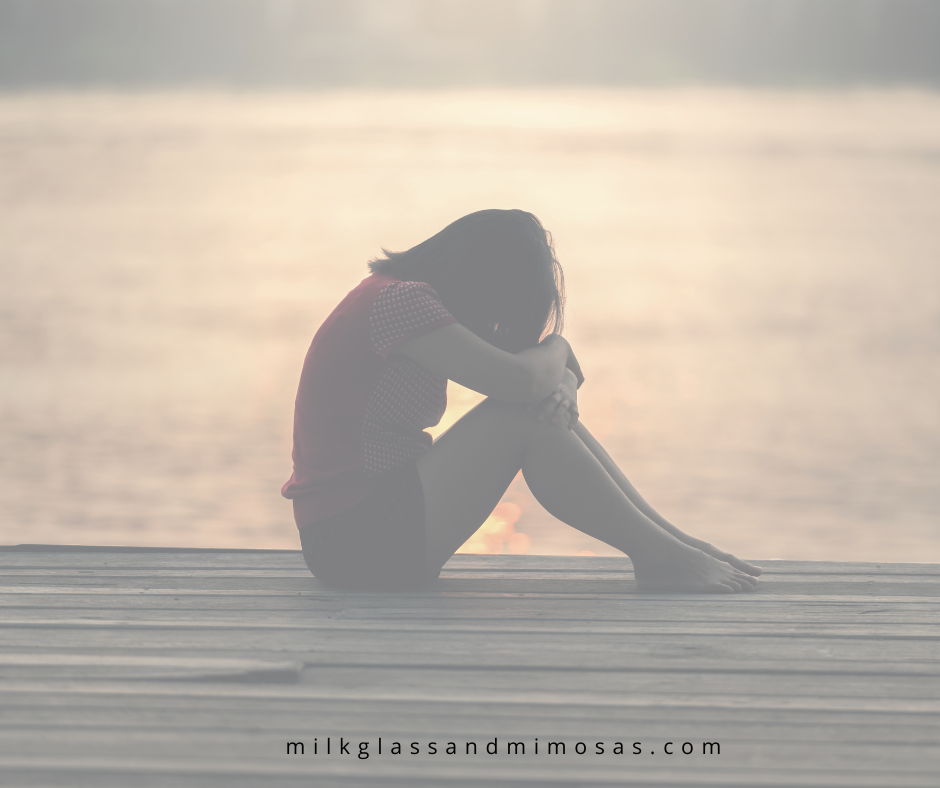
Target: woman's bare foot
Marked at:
721, 555
673, 566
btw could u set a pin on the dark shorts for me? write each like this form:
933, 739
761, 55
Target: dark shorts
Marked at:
378, 544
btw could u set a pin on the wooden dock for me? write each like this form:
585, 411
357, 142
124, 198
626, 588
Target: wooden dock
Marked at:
137, 667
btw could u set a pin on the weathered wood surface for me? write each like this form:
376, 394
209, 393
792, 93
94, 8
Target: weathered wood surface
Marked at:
182, 667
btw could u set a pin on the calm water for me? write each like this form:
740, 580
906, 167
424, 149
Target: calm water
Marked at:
754, 286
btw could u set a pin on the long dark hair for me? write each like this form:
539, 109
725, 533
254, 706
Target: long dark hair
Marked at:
495, 271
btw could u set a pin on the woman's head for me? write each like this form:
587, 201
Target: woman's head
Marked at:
495, 271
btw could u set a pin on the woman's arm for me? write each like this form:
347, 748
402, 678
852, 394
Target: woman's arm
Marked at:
460, 355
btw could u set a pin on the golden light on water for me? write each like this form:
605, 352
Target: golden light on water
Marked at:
498, 533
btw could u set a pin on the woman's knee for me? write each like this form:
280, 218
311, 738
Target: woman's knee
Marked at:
523, 416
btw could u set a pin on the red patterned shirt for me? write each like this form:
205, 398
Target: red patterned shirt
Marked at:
360, 411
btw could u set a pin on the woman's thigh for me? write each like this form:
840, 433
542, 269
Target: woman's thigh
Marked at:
467, 470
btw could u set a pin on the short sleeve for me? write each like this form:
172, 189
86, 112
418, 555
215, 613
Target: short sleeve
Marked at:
402, 311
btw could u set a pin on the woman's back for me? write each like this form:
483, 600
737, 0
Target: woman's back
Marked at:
359, 411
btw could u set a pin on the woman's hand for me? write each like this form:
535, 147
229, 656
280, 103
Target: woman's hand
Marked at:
561, 403
571, 362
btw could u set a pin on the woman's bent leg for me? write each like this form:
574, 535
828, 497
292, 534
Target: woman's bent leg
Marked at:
640, 503
468, 469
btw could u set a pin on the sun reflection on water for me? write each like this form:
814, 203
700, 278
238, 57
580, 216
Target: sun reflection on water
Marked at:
498, 533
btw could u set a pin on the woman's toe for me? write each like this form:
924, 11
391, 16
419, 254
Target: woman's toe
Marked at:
743, 566
746, 581
719, 588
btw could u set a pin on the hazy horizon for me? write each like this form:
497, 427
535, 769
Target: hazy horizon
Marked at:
460, 43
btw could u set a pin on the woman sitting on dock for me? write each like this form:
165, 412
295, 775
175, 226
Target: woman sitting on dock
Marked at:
378, 505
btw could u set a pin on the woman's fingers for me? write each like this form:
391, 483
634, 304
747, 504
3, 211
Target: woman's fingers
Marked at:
568, 410
573, 414
549, 405
560, 411
556, 406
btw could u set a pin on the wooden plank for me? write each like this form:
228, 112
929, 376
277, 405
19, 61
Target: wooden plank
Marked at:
752, 725
821, 669
506, 684
793, 730
881, 623
753, 603
521, 626
483, 704
653, 652
423, 639
215, 606
565, 586
394, 718
174, 667
540, 563
348, 715
441, 685
273, 578
821, 591
159, 558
